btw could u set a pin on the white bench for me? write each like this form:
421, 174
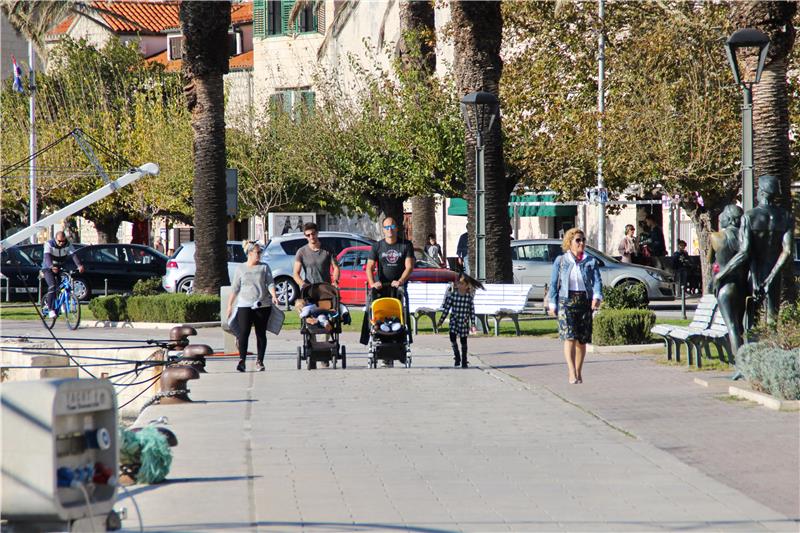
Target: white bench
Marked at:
425, 299
499, 301
702, 320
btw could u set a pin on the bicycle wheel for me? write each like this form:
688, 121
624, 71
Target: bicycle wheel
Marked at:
72, 311
48, 322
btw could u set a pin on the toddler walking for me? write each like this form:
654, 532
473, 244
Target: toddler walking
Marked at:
459, 303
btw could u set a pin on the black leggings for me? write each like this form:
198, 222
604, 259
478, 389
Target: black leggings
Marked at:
248, 317
455, 345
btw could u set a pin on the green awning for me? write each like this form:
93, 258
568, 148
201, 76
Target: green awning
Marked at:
458, 207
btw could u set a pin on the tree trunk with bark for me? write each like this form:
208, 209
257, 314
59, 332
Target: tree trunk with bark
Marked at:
391, 206
205, 61
477, 66
107, 228
417, 52
771, 152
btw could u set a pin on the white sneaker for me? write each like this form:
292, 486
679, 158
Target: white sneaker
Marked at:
51, 314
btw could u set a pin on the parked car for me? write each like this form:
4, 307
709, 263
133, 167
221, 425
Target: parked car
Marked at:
533, 263
180, 270
353, 280
115, 268
280, 251
36, 251
19, 274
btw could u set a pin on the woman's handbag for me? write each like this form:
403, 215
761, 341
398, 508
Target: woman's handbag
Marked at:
275, 321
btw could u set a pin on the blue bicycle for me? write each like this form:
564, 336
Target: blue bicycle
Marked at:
65, 301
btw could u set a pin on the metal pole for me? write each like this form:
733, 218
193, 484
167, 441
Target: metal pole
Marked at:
480, 207
601, 64
748, 192
32, 139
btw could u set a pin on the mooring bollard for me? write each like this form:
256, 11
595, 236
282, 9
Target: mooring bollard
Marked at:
173, 384
194, 356
179, 336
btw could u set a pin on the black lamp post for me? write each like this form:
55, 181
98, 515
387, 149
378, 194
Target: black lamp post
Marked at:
741, 43
480, 111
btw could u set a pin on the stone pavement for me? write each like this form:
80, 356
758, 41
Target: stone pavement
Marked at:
435, 449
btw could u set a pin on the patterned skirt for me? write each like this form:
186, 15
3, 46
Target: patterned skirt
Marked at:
575, 318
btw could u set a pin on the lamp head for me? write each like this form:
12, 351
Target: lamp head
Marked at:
745, 42
480, 110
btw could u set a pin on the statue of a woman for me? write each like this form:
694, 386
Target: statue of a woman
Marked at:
731, 294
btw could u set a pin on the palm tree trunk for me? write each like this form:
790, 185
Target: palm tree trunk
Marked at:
771, 152
477, 66
205, 29
417, 52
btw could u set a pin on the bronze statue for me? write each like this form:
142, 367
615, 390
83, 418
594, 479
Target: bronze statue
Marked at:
731, 294
765, 243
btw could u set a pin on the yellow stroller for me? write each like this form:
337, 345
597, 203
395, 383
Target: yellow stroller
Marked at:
389, 339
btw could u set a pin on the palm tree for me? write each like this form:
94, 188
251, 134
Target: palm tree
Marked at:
416, 51
477, 66
205, 60
771, 153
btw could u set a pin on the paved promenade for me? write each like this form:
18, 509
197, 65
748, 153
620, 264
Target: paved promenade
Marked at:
507, 445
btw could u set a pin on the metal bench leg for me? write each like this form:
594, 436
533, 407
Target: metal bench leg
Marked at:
515, 318
668, 344
689, 356
481, 319
708, 350
432, 316
414, 323
496, 325
677, 351
700, 354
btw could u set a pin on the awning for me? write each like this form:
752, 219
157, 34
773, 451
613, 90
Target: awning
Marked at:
458, 207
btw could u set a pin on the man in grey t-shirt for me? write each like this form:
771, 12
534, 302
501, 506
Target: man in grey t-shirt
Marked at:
315, 260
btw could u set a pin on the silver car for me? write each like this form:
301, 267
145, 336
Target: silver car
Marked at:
280, 252
533, 263
181, 266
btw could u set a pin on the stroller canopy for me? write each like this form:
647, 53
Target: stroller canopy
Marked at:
319, 291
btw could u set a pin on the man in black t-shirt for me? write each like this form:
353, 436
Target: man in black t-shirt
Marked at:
395, 259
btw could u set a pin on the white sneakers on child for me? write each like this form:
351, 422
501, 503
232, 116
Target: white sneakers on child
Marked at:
51, 314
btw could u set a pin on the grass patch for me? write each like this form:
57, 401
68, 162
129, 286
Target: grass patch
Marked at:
713, 363
27, 312
728, 398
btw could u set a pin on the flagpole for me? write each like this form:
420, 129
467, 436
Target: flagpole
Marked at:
32, 139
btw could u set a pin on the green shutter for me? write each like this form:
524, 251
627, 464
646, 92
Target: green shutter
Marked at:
315, 24
288, 102
286, 8
307, 97
259, 18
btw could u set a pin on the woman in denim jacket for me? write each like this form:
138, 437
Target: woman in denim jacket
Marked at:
575, 291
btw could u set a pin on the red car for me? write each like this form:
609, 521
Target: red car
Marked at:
353, 279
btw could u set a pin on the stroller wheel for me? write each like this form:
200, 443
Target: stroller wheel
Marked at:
344, 358
299, 358
333, 358
408, 361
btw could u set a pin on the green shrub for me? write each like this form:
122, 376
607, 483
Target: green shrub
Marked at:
173, 308
771, 369
614, 327
785, 333
148, 287
112, 308
625, 296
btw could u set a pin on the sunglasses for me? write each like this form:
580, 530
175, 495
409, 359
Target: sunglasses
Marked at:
310, 234
580, 240
390, 226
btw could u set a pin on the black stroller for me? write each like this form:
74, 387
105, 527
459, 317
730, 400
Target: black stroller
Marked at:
389, 333
320, 327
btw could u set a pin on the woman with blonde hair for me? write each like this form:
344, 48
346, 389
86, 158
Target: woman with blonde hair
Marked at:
253, 294
575, 291
627, 246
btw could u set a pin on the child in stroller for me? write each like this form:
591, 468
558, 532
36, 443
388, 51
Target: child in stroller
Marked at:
321, 316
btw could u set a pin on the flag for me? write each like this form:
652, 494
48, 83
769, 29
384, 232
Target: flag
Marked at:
18, 86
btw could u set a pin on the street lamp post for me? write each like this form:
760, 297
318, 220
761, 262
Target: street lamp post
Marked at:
480, 111
746, 41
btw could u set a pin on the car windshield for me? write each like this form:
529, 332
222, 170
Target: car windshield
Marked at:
15, 256
600, 255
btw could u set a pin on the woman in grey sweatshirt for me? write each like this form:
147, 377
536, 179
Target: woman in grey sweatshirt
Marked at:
253, 294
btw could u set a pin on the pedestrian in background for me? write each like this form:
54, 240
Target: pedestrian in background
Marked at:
459, 302
253, 295
627, 246
434, 251
681, 264
575, 292
462, 252
158, 245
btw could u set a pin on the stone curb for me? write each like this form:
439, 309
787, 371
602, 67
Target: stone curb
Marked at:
768, 401
146, 325
634, 348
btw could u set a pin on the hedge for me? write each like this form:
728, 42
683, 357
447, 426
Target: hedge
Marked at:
179, 308
771, 369
614, 327
625, 296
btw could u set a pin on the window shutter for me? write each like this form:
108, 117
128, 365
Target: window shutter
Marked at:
260, 18
315, 22
319, 18
307, 98
288, 102
286, 8
276, 102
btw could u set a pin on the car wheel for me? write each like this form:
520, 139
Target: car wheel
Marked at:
186, 285
286, 290
628, 284
81, 289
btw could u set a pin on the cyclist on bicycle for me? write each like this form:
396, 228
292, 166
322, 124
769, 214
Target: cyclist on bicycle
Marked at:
56, 253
